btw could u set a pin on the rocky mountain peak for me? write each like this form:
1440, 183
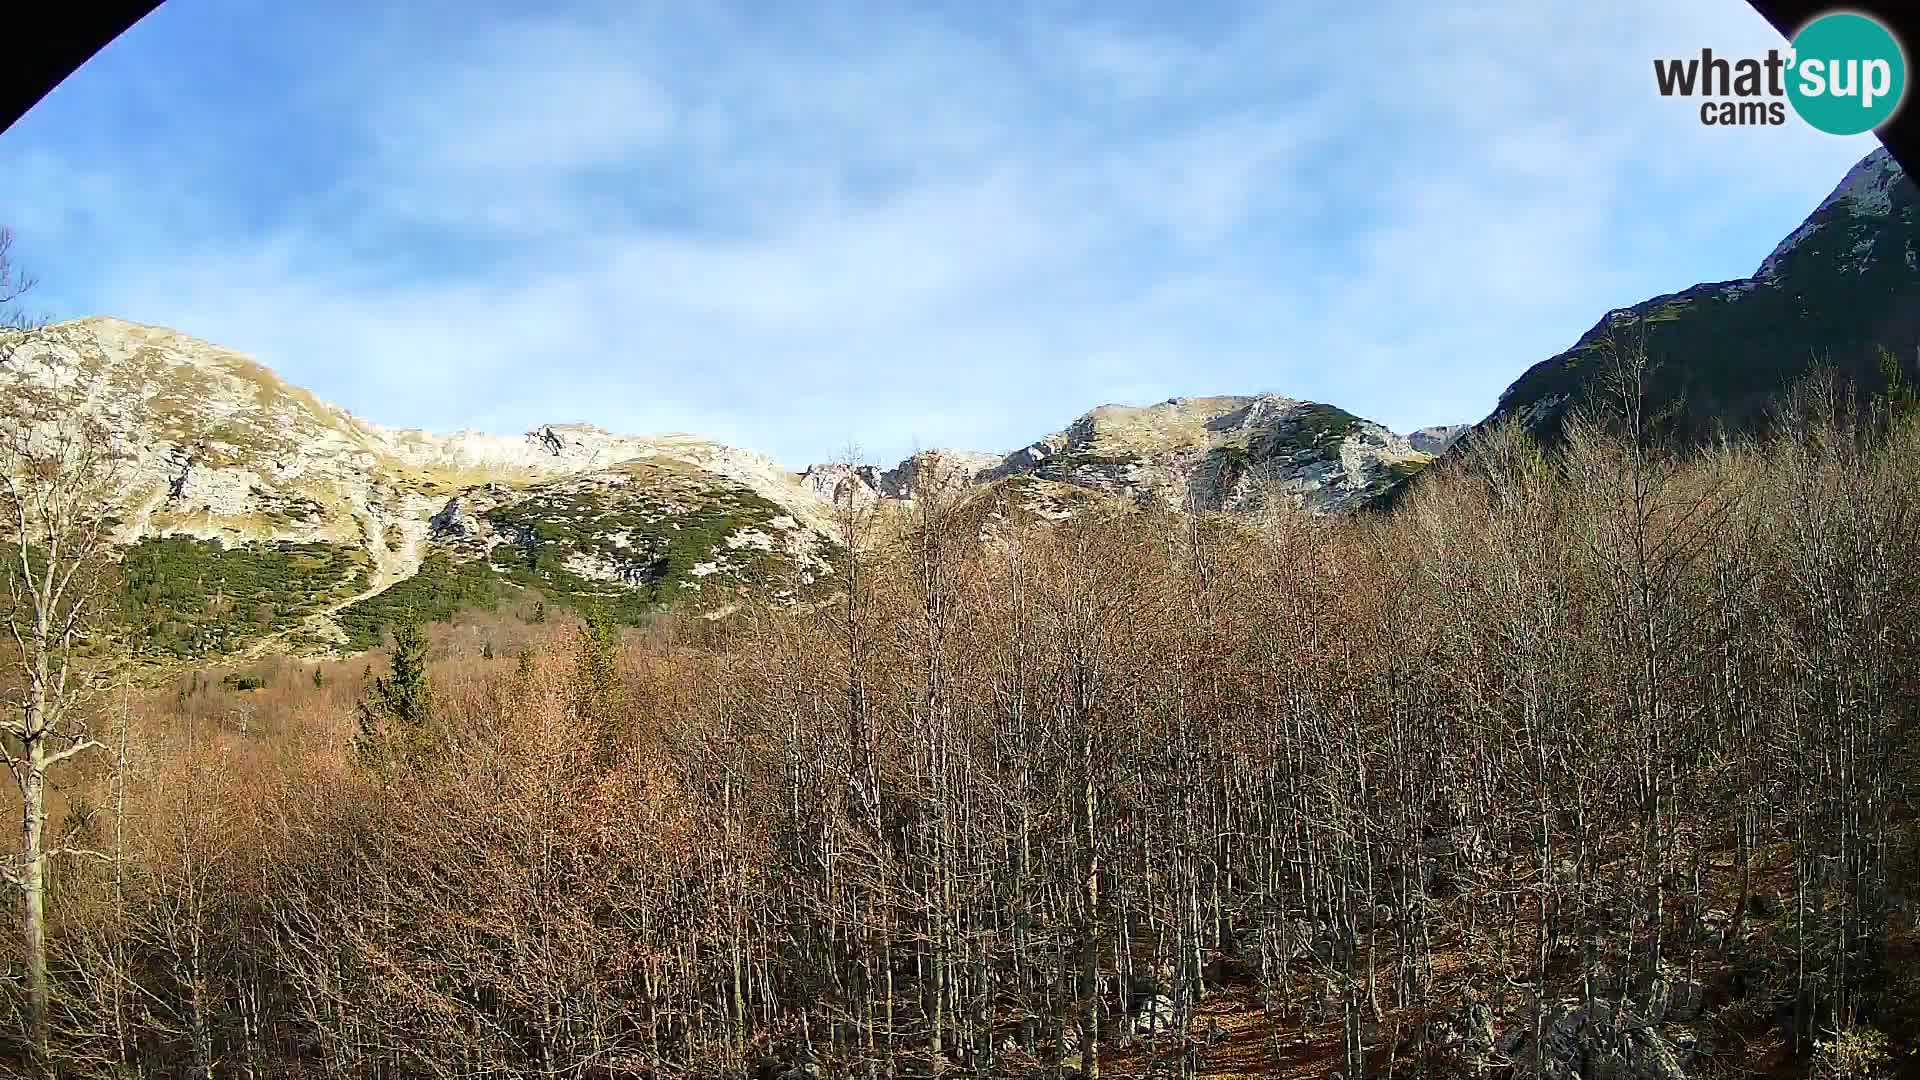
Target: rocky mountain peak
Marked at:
1867, 192
1222, 452
868, 483
1838, 291
1436, 438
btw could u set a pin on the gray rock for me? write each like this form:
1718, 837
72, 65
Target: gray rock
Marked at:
1673, 996
1155, 1015
1691, 1049
452, 522
1435, 439
1372, 916
1477, 1034
1583, 1046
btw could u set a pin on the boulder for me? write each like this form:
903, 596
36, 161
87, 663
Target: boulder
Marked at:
1477, 1036
1674, 996
1511, 1040
1372, 916
1591, 1046
1155, 1015
1691, 1049
451, 522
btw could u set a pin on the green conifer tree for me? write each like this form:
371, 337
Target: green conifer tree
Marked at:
396, 725
599, 695
1900, 398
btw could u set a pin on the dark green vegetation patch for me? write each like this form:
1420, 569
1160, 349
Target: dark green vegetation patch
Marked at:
441, 587
1314, 426
184, 597
652, 533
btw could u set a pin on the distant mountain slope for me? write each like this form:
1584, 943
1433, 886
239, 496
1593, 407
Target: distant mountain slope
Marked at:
1435, 439
259, 516
1207, 453
256, 511
1842, 286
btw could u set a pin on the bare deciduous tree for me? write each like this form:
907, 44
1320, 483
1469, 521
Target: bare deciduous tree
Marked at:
1572, 736
14, 283
59, 478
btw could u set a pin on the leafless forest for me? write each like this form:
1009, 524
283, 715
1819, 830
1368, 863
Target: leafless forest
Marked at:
1604, 730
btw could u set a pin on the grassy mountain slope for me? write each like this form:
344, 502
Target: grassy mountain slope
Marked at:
1839, 290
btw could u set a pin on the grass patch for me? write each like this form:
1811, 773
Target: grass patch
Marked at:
1398, 471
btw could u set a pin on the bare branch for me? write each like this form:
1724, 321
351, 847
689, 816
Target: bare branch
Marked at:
15, 325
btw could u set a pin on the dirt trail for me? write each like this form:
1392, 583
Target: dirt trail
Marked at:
389, 567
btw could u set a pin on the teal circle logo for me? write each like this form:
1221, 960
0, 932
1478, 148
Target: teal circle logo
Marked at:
1848, 75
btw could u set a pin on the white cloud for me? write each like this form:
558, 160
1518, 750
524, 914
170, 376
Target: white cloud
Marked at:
789, 231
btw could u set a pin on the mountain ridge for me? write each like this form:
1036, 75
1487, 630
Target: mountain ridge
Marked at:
300, 517
1835, 290
317, 513
1217, 452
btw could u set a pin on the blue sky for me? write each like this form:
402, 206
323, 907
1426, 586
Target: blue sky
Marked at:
794, 227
